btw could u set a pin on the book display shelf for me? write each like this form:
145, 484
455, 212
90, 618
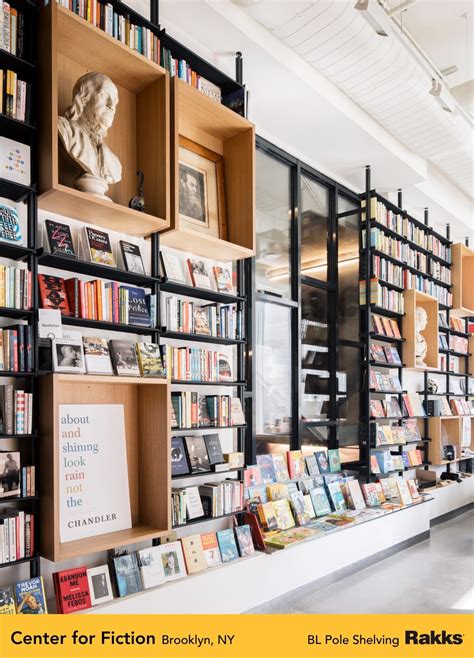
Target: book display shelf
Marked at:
18, 199
463, 274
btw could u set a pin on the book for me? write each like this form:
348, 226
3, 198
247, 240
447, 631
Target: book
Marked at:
197, 454
151, 360
337, 497
356, 497
227, 545
7, 600
266, 514
194, 555
68, 354
224, 368
404, 492
10, 474
124, 358
173, 561
151, 567
171, 267
253, 476
277, 491
323, 462
244, 540
138, 313
210, 546
179, 460
283, 514
312, 464
30, 597
334, 460
98, 247
10, 230
59, 238
72, 590
194, 506
97, 356
281, 468
53, 293
308, 505
126, 574
265, 463
100, 586
223, 279
132, 258
236, 413
296, 467
199, 273
214, 449
299, 508
15, 161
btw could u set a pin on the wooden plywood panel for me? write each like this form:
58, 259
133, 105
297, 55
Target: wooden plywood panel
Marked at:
414, 298
239, 158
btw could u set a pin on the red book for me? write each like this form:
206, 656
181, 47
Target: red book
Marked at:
53, 293
72, 590
72, 294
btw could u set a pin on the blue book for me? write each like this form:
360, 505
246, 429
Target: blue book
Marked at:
137, 307
227, 545
29, 597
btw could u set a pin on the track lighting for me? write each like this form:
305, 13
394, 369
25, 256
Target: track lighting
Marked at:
366, 12
437, 90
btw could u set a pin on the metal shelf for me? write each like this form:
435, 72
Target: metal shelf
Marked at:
199, 293
206, 474
107, 326
199, 338
190, 382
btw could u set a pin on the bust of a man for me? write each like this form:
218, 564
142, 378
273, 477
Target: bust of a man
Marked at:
421, 347
83, 129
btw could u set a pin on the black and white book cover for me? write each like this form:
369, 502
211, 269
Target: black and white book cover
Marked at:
197, 454
132, 258
124, 358
214, 449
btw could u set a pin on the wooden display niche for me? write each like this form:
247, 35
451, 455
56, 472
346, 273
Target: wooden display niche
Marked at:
216, 128
414, 298
139, 136
147, 428
444, 430
462, 273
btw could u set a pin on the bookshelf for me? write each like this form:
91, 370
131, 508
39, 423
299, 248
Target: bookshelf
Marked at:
463, 274
414, 299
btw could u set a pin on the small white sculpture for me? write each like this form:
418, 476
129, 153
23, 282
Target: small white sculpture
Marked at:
421, 347
83, 129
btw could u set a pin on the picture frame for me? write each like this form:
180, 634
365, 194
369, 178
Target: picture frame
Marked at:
100, 585
201, 189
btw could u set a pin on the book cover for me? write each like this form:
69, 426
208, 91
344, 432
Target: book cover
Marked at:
179, 460
10, 469
295, 464
53, 293
266, 514
10, 230
201, 321
323, 462
15, 161
171, 267
404, 492
223, 279
132, 257
30, 598
151, 360
124, 358
224, 368
211, 550
100, 586
281, 468
197, 454
283, 514
334, 460
72, 590
173, 561
199, 273
236, 413
214, 449
194, 555
355, 491
151, 567
59, 238
7, 600
299, 508
97, 356
244, 540
308, 505
99, 247
227, 545
312, 465
337, 497
127, 574
265, 463
253, 476
138, 313
194, 508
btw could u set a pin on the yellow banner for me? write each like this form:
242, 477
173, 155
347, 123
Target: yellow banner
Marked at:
236, 636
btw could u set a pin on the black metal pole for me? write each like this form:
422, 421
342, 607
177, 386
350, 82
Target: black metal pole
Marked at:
239, 68
155, 12
448, 231
400, 198
426, 216
467, 242
365, 434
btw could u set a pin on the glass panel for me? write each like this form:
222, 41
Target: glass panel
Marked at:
348, 268
272, 262
273, 368
314, 229
314, 438
314, 354
349, 402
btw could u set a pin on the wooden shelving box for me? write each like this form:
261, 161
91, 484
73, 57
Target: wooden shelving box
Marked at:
437, 427
214, 126
462, 273
140, 135
414, 298
147, 427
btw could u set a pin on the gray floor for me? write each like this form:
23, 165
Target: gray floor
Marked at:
434, 576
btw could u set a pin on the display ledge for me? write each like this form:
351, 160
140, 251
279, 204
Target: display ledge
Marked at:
17, 313
176, 431
401, 470
379, 364
15, 252
454, 332
14, 191
17, 499
107, 379
396, 445
187, 382
392, 286
199, 338
199, 293
4, 437
94, 269
376, 419
392, 392
15, 563
107, 326
385, 339
14, 63
17, 130
444, 462
206, 474
15, 373
379, 310
460, 354
205, 519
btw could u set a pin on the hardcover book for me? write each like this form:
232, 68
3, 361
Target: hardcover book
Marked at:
194, 555
173, 561
281, 468
236, 413
7, 600
266, 514
59, 238
194, 506
98, 247
356, 496
199, 273
138, 313
9, 225
334, 461
127, 574
337, 497
308, 505
227, 545
299, 508
223, 279
201, 321
211, 550
265, 463
10, 479
30, 598
197, 454
97, 356
124, 358
179, 460
224, 368
244, 540
132, 258
72, 590
171, 267
100, 586
320, 501
53, 293
295, 464
323, 462
151, 359
253, 476
283, 514
214, 449
151, 567
312, 465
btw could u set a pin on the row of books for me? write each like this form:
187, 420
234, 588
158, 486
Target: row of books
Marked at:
418, 282
16, 411
455, 323
191, 410
15, 287
16, 353
454, 407
25, 597
381, 382
191, 455
199, 274
75, 354
407, 229
381, 296
209, 500
440, 272
396, 434
12, 29
458, 344
385, 326
208, 320
291, 465
198, 364
141, 39
385, 354
15, 480
98, 300
14, 96
412, 407
386, 271
382, 461
17, 537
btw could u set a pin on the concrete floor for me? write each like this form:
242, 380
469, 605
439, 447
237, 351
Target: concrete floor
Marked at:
436, 576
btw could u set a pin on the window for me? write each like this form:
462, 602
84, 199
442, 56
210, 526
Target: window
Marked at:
314, 229
348, 269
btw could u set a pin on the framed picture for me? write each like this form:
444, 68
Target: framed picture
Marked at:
68, 355
100, 586
202, 189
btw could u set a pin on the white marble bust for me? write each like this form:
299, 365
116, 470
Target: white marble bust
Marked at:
83, 129
421, 346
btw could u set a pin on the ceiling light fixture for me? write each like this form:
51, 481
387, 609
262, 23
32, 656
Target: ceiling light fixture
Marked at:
363, 7
399, 8
442, 96
450, 70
